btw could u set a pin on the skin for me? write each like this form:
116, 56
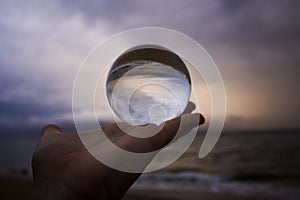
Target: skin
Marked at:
64, 169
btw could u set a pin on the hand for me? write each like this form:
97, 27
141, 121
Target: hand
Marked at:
64, 169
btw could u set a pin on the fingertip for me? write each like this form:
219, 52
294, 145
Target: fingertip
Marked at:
193, 120
189, 108
201, 120
51, 128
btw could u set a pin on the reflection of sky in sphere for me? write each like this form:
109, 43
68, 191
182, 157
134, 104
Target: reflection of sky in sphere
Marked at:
147, 92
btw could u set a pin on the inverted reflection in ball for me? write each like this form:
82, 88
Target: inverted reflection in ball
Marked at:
144, 92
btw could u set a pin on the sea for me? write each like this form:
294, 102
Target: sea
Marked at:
260, 163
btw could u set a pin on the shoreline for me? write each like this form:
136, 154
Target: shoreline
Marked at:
185, 194
14, 188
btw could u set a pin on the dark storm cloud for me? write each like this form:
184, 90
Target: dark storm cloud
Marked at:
268, 25
264, 34
94, 10
17, 116
37, 37
8, 79
26, 109
121, 15
25, 102
265, 23
268, 30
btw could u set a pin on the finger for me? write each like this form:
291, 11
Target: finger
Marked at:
189, 108
163, 137
51, 128
178, 126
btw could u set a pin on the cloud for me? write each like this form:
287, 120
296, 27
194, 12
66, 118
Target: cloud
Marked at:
21, 116
266, 30
254, 43
41, 49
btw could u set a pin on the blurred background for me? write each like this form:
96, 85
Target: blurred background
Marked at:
255, 44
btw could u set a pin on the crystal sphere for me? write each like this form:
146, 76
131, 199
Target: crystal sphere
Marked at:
147, 91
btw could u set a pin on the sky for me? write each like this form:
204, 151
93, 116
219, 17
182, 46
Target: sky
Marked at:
255, 44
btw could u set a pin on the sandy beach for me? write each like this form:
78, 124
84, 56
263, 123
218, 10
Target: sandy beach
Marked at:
158, 194
19, 189
14, 188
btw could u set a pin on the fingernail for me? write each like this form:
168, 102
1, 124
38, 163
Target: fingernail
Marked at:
201, 120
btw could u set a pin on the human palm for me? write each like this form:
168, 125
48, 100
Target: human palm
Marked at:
64, 169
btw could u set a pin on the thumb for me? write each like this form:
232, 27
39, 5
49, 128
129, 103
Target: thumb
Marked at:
51, 128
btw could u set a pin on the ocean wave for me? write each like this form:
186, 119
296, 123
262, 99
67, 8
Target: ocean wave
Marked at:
216, 183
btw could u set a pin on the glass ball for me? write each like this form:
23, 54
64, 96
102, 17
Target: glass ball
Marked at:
148, 85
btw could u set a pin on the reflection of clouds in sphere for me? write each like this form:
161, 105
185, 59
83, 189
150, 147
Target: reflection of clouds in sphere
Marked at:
153, 103
147, 92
